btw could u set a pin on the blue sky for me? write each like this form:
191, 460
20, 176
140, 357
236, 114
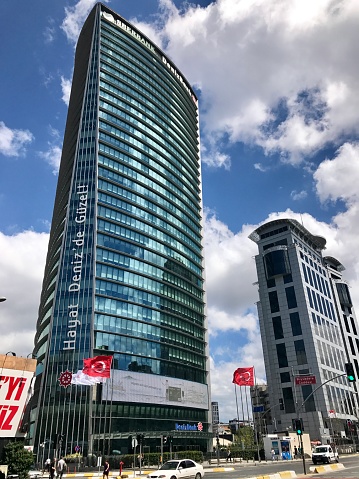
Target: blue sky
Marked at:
279, 109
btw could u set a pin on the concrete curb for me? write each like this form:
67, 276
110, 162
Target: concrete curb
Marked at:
129, 474
287, 474
327, 468
276, 475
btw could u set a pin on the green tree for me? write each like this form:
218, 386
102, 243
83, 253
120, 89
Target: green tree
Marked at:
244, 438
17, 458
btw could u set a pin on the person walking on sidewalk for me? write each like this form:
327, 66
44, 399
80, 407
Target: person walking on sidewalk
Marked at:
106, 470
61, 466
272, 454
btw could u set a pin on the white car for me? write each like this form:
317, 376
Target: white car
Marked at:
324, 454
177, 469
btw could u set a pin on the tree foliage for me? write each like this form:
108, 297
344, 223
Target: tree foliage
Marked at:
17, 458
244, 438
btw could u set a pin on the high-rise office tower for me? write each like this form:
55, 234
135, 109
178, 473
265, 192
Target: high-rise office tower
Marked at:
309, 331
124, 271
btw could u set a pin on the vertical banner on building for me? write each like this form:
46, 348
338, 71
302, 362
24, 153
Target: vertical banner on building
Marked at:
15, 381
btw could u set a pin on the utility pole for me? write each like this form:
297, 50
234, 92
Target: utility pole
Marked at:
161, 458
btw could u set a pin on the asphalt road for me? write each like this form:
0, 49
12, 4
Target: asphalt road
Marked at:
351, 470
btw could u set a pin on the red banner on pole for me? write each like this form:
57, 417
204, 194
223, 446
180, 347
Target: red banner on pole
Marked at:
244, 376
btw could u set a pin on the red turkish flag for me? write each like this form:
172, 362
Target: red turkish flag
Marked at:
98, 367
244, 376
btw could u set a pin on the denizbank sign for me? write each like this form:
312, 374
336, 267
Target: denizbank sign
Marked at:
127, 28
189, 427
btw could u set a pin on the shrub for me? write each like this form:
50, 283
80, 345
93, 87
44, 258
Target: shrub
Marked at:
17, 458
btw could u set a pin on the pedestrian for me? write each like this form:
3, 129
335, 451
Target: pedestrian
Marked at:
106, 470
295, 452
61, 466
272, 452
47, 465
229, 456
52, 469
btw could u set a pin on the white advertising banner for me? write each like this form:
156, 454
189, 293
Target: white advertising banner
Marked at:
14, 388
128, 386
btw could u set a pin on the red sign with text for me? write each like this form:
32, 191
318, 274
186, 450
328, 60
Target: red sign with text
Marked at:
305, 380
14, 388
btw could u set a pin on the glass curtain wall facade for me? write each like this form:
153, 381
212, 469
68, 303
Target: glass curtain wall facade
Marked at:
124, 272
308, 329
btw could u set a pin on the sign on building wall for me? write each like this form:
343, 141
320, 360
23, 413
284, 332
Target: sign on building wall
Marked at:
129, 386
305, 380
15, 382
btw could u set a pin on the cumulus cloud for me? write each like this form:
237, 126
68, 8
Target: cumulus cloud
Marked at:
66, 89
22, 262
52, 155
338, 178
298, 195
13, 142
272, 73
75, 17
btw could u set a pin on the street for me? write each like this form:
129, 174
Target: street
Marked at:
351, 470
252, 470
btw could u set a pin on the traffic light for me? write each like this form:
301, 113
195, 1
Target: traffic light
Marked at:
299, 427
170, 439
140, 438
349, 369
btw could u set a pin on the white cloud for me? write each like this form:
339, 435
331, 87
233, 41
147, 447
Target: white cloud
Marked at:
22, 262
273, 73
228, 255
75, 17
66, 89
52, 155
298, 195
260, 167
13, 142
50, 31
339, 178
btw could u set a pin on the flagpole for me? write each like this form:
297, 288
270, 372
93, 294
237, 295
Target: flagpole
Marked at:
110, 421
235, 391
240, 388
254, 420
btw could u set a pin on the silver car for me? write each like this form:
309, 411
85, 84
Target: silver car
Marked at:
178, 469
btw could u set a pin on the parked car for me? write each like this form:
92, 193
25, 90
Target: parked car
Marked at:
325, 454
177, 469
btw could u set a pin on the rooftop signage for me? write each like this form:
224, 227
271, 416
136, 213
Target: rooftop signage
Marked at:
128, 29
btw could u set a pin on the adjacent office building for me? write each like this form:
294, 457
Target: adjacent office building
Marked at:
124, 271
309, 331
